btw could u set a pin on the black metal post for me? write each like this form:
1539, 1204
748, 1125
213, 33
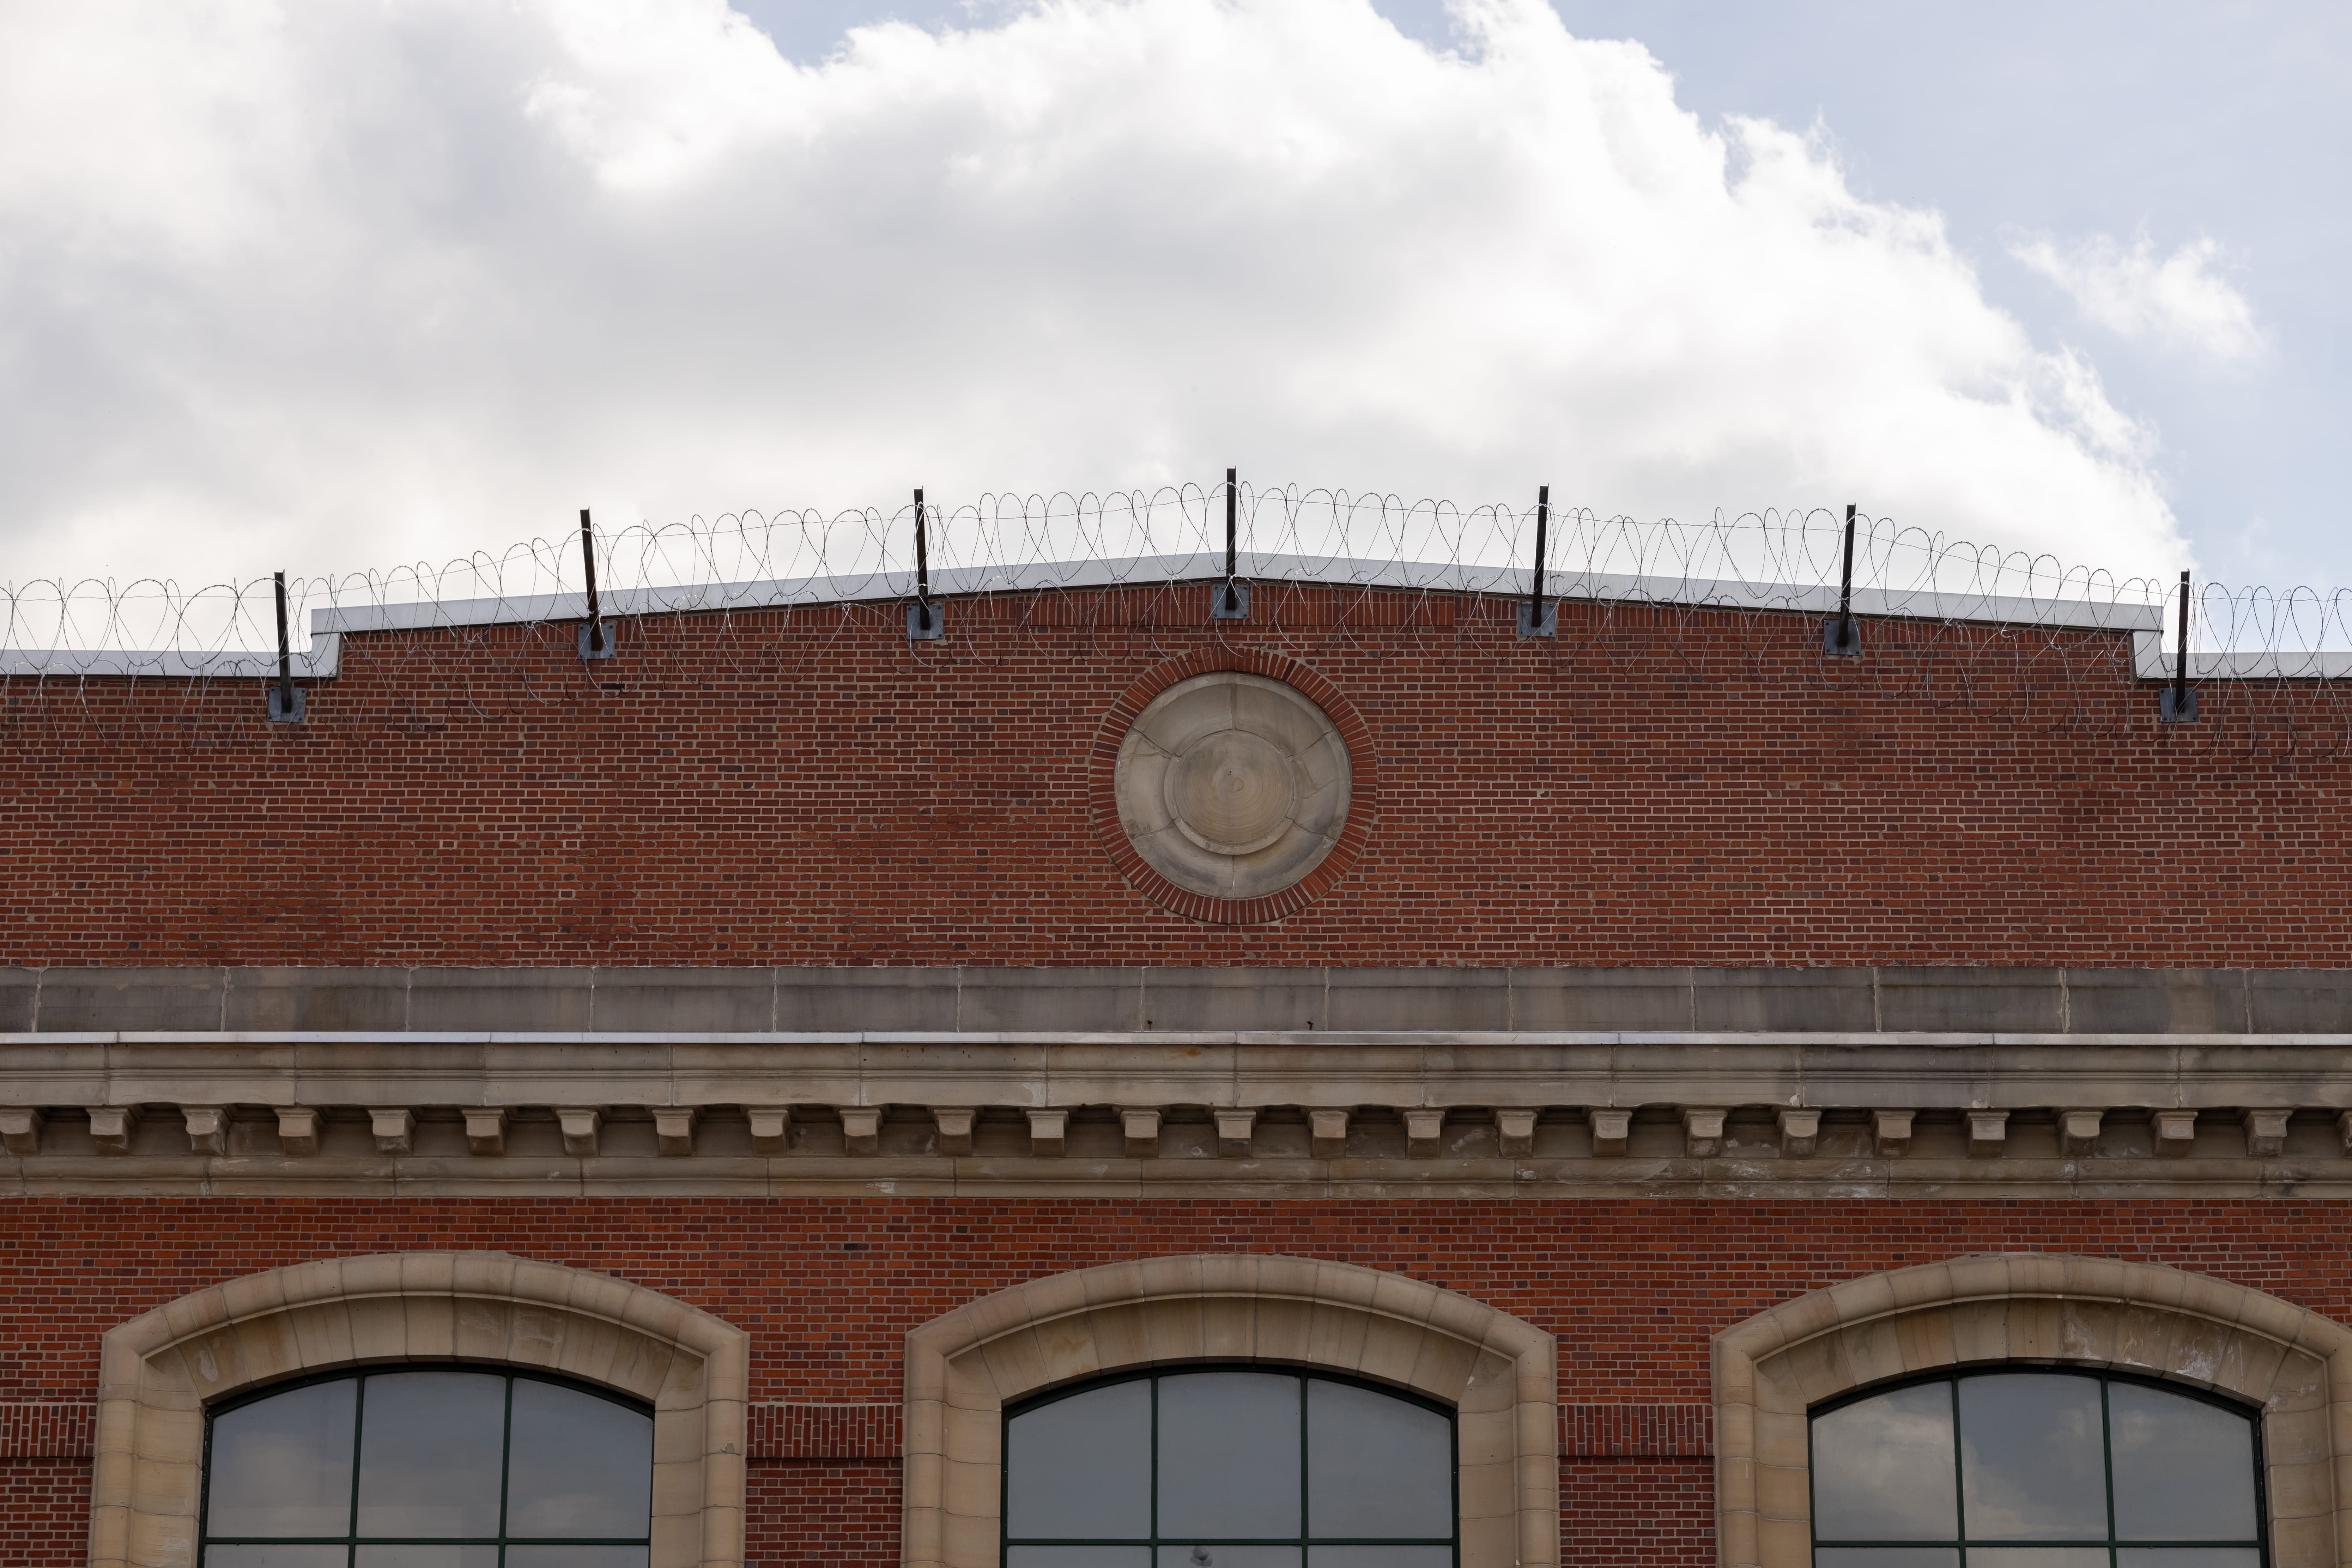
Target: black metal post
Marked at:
1232, 536
2178, 705
1543, 521
284, 706
922, 556
1231, 601
593, 643
1537, 619
924, 624
1842, 638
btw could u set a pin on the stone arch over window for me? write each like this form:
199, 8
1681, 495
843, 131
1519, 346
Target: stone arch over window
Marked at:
1497, 1374
159, 1372
2292, 1365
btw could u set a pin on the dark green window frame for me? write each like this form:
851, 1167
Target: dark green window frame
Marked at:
1306, 1543
2260, 1543
352, 1541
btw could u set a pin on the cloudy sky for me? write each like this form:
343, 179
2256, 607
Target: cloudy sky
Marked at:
337, 284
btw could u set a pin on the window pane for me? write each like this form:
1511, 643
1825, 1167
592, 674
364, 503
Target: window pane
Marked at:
575, 1557
2188, 1557
2184, 1469
577, 1465
1229, 1457
274, 1557
1375, 1465
282, 1465
1887, 1557
1380, 1557
1229, 1557
1882, 1468
2032, 1464
429, 1557
430, 1455
1082, 1465
1077, 1557
2037, 1557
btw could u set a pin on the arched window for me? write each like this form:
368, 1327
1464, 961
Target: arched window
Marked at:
2028, 1468
446, 1467
1229, 1468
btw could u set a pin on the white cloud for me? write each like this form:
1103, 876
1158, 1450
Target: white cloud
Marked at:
330, 285
2180, 301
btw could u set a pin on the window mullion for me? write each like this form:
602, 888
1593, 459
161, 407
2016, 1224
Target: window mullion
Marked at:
1306, 1528
205, 1497
1959, 1479
359, 1434
505, 1467
1155, 1472
2107, 1469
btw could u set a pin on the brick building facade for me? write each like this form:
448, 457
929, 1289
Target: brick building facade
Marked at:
821, 985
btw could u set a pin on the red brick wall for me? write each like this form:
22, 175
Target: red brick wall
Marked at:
1654, 787
824, 1514
1632, 1288
1633, 1513
44, 1513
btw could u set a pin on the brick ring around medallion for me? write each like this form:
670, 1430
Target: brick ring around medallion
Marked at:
1232, 785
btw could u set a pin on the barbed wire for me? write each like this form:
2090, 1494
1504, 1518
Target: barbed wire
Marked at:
1956, 624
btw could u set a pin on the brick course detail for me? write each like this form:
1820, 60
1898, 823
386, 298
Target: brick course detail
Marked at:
1656, 786
1637, 1431
823, 1431
48, 1430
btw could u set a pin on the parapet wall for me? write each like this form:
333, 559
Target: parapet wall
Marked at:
1655, 786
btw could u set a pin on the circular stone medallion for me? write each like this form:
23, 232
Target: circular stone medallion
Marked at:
1232, 785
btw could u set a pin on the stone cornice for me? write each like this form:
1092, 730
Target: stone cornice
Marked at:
1306, 1113
1399, 1068
1172, 1000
